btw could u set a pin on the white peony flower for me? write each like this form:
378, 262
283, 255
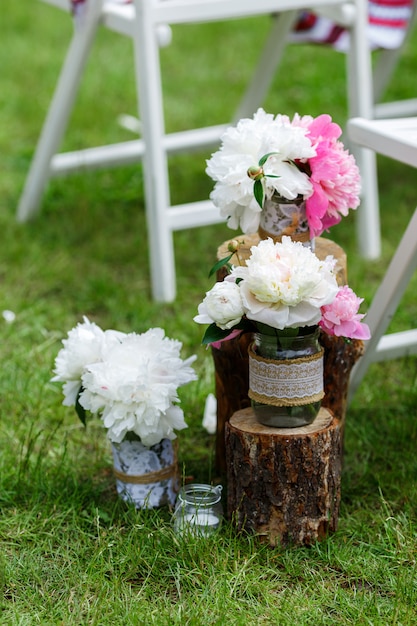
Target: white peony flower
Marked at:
210, 414
134, 387
84, 345
222, 305
242, 148
284, 284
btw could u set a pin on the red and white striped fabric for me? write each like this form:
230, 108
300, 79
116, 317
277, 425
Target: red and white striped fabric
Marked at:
388, 23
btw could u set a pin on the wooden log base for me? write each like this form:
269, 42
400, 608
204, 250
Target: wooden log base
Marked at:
284, 483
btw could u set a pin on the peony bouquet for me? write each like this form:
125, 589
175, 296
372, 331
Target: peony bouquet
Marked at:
282, 285
129, 380
298, 158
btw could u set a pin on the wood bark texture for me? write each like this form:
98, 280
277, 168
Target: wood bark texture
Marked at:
339, 358
284, 484
231, 364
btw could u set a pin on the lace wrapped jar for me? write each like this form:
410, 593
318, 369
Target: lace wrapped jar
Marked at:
281, 216
286, 377
147, 477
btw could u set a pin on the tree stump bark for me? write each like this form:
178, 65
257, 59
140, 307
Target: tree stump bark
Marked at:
231, 363
340, 356
284, 484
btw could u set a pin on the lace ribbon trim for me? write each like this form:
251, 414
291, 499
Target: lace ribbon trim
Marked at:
171, 471
287, 382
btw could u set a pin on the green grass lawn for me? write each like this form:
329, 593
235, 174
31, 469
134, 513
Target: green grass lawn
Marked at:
71, 552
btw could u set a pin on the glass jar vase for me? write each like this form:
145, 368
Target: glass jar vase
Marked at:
198, 510
147, 477
286, 377
280, 217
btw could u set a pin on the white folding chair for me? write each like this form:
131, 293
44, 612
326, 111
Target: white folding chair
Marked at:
397, 139
140, 21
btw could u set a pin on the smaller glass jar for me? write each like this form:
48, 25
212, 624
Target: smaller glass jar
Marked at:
198, 510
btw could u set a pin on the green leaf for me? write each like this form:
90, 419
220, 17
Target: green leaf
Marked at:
264, 329
265, 157
258, 192
80, 410
217, 266
286, 338
214, 333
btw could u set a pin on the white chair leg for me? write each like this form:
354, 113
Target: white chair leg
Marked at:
368, 226
360, 103
387, 298
155, 160
58, 114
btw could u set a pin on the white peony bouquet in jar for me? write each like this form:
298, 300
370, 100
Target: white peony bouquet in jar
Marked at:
267, 156
130, 380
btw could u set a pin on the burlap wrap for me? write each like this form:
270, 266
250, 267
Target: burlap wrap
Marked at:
286, 382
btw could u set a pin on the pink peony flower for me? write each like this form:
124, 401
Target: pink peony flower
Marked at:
334, 175
341, 317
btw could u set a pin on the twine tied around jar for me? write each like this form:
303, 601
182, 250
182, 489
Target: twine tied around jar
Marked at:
170, 471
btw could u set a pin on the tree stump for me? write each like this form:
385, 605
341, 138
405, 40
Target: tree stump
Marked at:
284, 484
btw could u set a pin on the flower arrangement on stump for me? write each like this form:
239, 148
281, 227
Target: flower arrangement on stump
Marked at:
131, 382
284, 295
284, 177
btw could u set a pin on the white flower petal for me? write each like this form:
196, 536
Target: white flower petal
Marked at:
210, 414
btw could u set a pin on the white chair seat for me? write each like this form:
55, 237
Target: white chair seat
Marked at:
395, 138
